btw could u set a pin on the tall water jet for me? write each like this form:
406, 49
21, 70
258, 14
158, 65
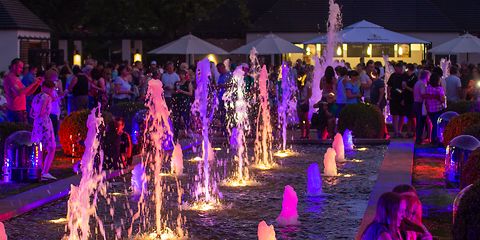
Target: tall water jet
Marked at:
314, 181
264, 138
339, 147
348, 140
139, 181
177, 160
286, 108
334, 24
206, 187
265, 231
157, 135
329, 163
82, 204
3, 233
239, 126
289, 214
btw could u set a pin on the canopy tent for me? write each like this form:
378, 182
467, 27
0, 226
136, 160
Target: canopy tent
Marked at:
368, 33
188, 45
269, 44
462, 44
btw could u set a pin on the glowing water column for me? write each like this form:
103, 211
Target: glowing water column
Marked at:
284, 108
263, 141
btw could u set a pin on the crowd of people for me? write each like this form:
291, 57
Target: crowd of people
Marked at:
417, 93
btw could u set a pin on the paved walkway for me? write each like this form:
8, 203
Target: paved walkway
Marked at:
396, 169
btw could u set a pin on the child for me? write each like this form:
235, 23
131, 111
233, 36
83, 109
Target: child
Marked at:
326, 117
118, 149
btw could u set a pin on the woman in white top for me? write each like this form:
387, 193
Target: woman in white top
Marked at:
123, 89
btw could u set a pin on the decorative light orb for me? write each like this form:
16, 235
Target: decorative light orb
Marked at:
458, 151
442, 122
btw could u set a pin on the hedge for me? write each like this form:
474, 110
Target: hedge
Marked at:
458, 125
364, 120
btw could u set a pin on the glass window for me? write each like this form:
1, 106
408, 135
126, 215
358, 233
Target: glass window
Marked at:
378, 50
403, 50
356, 50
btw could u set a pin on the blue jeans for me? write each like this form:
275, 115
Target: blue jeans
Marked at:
434, 117
17, 116
417, 110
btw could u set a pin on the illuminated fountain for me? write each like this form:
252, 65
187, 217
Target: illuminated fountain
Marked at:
330, 165
3, 233
139, 181
333, 26
286, 107
157, 136
238, 127
82, 204
264, 138
265, 231
339, 147
289, 214
314, 181
348, 140
206, 187
177, 160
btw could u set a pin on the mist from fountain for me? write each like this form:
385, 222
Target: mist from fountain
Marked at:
82, 204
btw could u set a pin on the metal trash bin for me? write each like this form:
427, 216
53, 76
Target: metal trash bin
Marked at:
23, 159
458, 151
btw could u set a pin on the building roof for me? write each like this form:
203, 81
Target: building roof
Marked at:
14, 15
312, 15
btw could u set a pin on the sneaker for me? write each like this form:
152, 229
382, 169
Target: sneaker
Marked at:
48, 176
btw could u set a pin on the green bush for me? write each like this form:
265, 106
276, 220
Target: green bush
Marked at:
127, 110
6, 129
460, 107
473, 130
471, 170
73, 131
458, 125
364, 120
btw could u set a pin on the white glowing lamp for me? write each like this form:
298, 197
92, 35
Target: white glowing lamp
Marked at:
369, 50
137, 57
339, 51
400, 51
212, 58
77, 59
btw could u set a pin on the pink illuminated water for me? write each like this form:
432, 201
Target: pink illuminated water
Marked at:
177, 160
264, 138
157, 134
206, 185
265, 231
330, 165
82, 204
289, 214
314, 181
348, 140
339, 147
3, 233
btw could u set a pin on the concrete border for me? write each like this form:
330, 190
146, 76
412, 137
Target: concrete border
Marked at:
396, 168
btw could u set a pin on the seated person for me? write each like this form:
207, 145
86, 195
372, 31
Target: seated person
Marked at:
118, 146
326, 117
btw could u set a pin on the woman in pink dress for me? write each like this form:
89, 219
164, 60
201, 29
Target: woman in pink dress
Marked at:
42, 126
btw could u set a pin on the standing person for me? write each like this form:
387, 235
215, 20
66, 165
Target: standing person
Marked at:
303, 98
118, 146
435, 99
396, 99
182, 100
79, 88
341, 94
122, 88
57, 95
418, 105
169, 78
407, 85
98, 89
377, 91
366, 82
328, 83
42, 131
16, 93
388, 218
352, 88
453, 86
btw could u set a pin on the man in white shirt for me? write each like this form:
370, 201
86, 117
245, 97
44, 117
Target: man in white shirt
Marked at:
453, 85
169, 78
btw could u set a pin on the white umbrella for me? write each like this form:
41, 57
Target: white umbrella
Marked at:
463, 44
368, 33
268, 45
188, 44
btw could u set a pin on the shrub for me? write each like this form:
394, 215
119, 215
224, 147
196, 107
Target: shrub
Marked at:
467, 220
7, 128
460, 107
73, 131
471, 170
458, 125
364, 120
127, 110
473, 130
